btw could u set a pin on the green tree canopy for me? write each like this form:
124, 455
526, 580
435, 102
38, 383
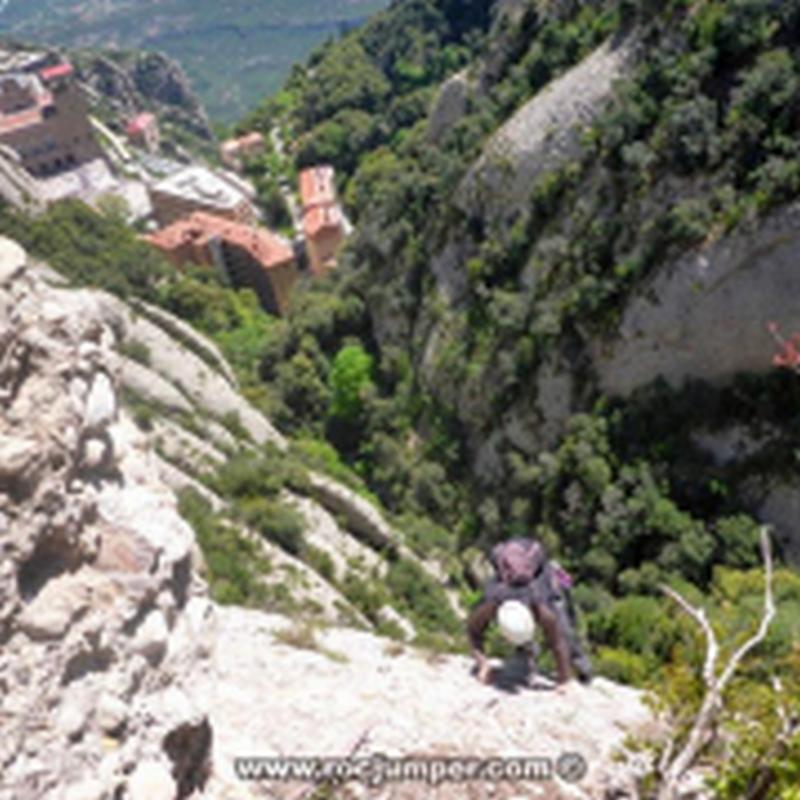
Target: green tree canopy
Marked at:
350, 376
344, 78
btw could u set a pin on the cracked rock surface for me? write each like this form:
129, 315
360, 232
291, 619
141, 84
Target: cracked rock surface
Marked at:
101, 620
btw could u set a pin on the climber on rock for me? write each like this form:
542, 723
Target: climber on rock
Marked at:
527, 588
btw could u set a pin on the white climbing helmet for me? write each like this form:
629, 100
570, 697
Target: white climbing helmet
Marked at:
516, 622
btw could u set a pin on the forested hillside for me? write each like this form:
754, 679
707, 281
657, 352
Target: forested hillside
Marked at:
461, 360
697, 142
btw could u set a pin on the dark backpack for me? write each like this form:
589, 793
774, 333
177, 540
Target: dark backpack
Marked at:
518, 561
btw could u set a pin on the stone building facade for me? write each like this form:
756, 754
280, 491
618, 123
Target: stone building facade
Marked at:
44, 119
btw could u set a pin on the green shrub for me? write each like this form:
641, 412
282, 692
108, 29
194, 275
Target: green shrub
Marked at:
234, 563
350, 378
258, 474
233, 424
390, 629
423, 599
320, 455
275, 521
143, 414
368, 596
737, 538
424, 536
90, 249
320, 561
431, 491
623, 666
135, 350
643, 625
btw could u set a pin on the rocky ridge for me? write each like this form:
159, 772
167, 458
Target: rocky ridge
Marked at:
102, 617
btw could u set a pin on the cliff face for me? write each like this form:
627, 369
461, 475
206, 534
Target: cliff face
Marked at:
705, 316
347, 693
121, 678
102, 618
699, 317
488, 332
543, 134
17, 187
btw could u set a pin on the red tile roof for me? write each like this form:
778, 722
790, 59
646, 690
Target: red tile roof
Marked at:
140, 123
57, 71
22, 119
317, 186
200, 228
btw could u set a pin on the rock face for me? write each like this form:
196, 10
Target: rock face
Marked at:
344, 693
541, 135
183, 332
101, 618
705, 316
366, 522
449, 107
361, 516
190, 377
544, 134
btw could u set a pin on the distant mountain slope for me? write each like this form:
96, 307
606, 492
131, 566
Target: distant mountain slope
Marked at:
122, 83
233, 52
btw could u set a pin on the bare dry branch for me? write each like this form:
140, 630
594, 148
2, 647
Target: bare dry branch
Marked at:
699, 616
766, 619
666, 756
702, 728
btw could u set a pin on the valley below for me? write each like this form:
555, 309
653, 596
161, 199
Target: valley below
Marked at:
234, 52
